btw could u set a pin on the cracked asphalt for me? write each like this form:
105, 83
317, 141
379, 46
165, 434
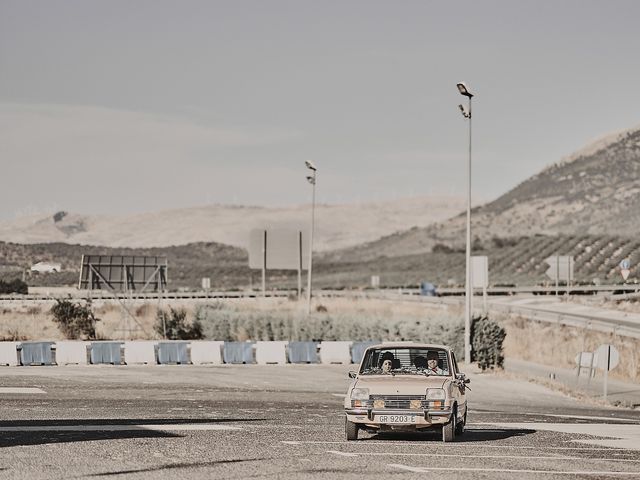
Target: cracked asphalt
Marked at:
251, 421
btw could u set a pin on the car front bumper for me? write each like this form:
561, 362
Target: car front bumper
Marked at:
422, 417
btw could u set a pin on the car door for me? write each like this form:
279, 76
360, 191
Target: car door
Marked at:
459, 391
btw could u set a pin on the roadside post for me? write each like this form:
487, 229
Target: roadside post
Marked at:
607, 359
625, 268
480, 277
584, 360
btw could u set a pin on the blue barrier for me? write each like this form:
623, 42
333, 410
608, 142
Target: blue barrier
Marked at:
36, 353
173, 352
106, 353
303, 352
358, 348
238, 352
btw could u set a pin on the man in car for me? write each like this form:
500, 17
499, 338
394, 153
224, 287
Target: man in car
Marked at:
432, 364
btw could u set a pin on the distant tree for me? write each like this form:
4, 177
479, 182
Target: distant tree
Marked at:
74, 319
173, 325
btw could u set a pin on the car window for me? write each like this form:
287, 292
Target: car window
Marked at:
405, 360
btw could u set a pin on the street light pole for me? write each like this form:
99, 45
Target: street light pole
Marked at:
312, 180
462, 88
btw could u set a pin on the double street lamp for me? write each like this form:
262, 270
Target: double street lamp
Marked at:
311, 178
462, 88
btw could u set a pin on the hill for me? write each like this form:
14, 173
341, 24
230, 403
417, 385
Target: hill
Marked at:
511, 261
594, 192
337, 226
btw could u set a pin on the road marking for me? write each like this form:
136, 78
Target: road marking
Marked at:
341, 395
421, 444
343, 454
626, 436
28, 390
119, 428
506, 470
535, 457
578, 417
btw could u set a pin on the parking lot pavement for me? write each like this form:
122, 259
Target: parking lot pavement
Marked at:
286, 422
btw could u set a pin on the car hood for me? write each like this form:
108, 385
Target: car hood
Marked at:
399, 384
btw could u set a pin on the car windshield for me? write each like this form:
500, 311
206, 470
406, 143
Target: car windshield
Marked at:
405, 360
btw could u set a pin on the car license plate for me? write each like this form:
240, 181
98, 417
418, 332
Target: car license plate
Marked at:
397, 419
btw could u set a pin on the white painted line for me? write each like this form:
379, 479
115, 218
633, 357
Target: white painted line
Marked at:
626, 436
343, 454
26, 390
341, 395
433, 444
506, 470
119, 428
431, 455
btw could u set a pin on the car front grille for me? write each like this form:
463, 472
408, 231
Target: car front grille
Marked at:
401, 402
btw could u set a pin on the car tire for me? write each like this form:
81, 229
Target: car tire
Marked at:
351, 430
449, 429
461, 426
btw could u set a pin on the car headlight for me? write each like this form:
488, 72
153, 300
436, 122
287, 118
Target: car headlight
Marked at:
360, 394
435, 394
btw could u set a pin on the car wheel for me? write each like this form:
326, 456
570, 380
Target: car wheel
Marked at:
351, 429
461, 426
449, 429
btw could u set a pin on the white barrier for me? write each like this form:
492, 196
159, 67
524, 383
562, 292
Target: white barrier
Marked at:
335, 352
204, 351
71, 352
140, 351
271, 352
9, 353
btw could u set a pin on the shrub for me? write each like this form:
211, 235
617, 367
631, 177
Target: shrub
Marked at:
173, 325
14, 286
487, 338
75, 320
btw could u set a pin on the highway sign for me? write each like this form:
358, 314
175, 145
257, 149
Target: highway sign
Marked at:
607, 357
625, 268
480, 271
560, 268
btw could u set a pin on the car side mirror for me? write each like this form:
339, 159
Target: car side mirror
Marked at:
467, 380
352, 374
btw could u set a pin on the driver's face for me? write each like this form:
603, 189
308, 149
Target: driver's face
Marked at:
432, 363
386, 365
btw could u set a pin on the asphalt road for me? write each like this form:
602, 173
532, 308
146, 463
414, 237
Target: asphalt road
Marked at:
286, 422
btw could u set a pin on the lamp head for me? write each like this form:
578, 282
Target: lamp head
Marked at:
310, 165
311, 180
462, 88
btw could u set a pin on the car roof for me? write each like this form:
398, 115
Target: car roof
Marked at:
409, 345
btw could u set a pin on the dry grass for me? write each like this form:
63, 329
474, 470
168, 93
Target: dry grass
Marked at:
557, 345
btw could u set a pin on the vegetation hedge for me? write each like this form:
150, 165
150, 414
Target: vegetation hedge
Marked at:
14, 286
222, 322
487, 338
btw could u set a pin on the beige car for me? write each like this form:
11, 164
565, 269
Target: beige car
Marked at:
407, 387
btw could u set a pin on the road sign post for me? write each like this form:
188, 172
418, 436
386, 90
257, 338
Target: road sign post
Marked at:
480, 276
625, 268
607, 359
560, 268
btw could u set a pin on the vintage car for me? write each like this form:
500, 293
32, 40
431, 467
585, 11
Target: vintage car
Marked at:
407, 387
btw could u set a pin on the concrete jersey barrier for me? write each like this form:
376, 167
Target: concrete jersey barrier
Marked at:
140, 352
206, 352
335, 352
36, 353
106, 353
238, 352
9, 353
70, 352
271, 352
173, 352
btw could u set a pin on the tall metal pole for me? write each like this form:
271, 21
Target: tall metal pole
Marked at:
313, 208
468, 291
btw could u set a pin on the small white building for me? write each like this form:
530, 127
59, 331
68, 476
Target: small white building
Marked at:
46, 267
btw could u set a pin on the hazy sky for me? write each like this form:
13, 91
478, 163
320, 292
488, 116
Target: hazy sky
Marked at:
125, 106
